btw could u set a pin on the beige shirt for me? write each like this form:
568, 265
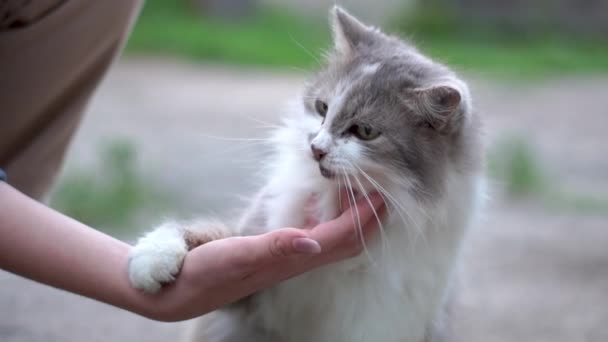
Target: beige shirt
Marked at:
53, 54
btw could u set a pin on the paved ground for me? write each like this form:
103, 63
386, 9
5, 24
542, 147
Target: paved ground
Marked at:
530, 273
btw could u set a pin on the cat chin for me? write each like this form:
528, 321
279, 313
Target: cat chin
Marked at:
327, 173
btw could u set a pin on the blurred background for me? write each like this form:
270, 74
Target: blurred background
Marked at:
177, 130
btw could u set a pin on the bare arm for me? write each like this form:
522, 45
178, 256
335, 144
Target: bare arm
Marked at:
46, 246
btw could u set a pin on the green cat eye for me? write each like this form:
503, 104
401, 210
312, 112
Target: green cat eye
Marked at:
364, 132
321, 107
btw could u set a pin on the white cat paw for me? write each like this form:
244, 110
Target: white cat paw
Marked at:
157, 258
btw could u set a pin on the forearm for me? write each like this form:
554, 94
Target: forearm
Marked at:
43, 245
46, 246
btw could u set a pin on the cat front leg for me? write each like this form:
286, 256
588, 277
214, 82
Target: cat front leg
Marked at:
157, 257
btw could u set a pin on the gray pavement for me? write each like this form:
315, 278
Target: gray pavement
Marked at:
530, 274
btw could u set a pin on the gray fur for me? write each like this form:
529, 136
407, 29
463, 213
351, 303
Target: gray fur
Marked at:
424, 123
424, 117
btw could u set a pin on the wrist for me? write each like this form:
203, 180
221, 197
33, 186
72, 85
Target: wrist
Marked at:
152, 306
168, 305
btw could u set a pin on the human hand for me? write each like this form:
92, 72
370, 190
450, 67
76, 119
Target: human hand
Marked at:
223, 271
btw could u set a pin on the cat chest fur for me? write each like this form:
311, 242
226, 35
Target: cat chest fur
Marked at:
392, 292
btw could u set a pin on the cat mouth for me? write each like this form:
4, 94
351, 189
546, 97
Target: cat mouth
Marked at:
325, 172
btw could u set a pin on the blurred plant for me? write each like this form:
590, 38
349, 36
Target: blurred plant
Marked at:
515, 163
111, 195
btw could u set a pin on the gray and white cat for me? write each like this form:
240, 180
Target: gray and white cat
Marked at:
380, 116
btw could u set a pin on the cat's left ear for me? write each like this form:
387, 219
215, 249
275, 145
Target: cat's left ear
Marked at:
349, 33
441, 106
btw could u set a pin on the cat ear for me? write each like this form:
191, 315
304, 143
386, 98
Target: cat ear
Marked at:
348, 31
440, 106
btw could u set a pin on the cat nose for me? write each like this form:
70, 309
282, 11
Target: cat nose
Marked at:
317, 152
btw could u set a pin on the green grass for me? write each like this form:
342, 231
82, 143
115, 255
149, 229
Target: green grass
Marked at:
488, 47
278, 38
268, 38
112, 194
521, 59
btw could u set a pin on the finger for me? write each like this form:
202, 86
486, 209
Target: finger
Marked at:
365, 209
334, 232
255, 251
374, 223
344, 200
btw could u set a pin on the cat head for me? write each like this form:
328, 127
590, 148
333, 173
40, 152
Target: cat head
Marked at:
385, 110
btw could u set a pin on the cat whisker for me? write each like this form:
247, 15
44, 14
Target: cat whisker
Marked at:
385, 246
385, 194
308, 52
339, 195
343, 176
233, 149
326, 54
352, 193
267, 140
398, 207
356, 210
298, 69
418, 188
266, 124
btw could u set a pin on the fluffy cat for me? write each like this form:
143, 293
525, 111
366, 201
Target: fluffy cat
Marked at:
380, 116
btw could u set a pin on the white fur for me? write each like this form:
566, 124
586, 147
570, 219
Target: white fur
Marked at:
393, 292
157, 258
370, 68
322, 140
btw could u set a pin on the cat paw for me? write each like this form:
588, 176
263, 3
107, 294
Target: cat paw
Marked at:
157, 258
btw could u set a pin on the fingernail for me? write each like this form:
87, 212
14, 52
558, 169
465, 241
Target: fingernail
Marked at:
306, 246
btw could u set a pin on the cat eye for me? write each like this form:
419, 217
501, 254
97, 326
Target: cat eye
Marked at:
364, 132
321, 107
